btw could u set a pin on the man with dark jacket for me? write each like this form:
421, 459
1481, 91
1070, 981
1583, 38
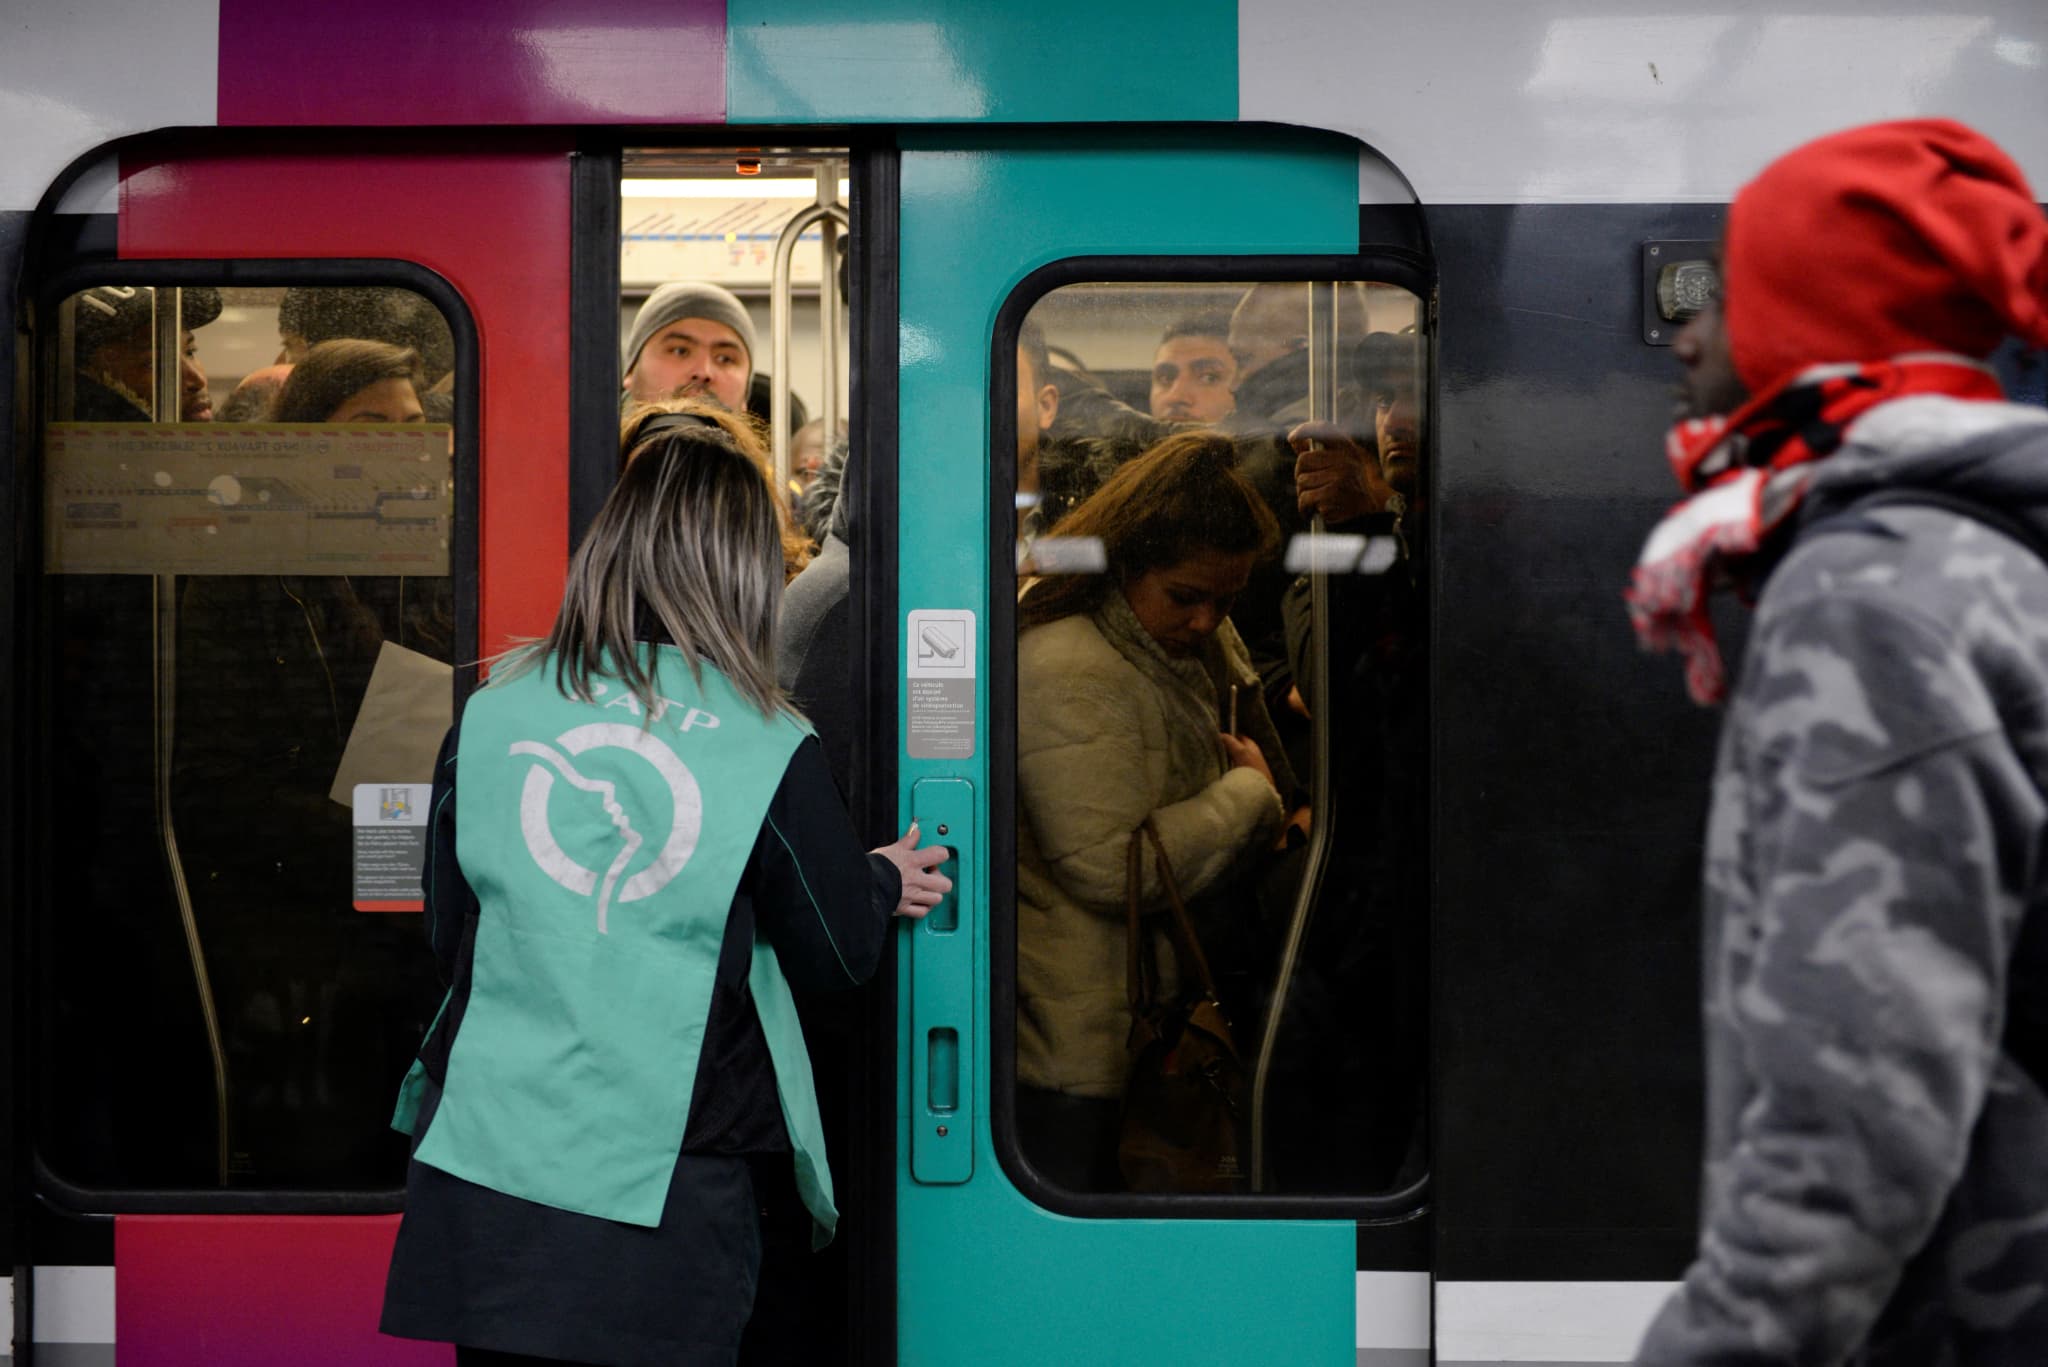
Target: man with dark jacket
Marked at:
1877, 1131
1269, 339
116, 350
812, 641
1362, 976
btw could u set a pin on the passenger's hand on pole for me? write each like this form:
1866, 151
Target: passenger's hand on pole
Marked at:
1334, 476
923, 885
1245, 754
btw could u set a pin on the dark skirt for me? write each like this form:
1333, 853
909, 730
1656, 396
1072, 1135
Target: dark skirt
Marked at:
479, 1268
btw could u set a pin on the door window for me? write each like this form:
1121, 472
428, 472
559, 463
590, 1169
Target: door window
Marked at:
1220, 542
246, 609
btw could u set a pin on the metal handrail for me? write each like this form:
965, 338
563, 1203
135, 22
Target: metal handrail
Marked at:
1322, 407
778, 327
829, 303
165, 405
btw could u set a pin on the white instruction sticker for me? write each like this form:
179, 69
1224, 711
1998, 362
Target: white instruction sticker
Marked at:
391, 845
939, 683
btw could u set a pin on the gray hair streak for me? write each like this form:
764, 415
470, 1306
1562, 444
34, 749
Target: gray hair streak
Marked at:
688, 545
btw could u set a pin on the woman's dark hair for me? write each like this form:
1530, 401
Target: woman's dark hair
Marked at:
1182, 497
1215, 324
381, 313
1031, 341
332, 371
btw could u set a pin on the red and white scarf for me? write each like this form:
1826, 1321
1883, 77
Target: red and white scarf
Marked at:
1746, 474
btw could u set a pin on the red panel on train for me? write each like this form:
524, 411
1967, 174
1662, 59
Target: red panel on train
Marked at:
495, 222
392, 62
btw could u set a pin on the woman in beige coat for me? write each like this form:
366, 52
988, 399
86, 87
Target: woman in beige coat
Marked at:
1123, 688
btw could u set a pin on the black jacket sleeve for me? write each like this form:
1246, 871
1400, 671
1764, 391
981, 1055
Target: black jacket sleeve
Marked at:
824, 904
822, 901
449, 900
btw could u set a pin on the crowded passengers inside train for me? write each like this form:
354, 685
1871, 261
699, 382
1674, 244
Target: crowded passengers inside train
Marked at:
1183, 457
1176, 475
1169, 509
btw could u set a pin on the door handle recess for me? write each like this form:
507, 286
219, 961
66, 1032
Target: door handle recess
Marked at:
942, 955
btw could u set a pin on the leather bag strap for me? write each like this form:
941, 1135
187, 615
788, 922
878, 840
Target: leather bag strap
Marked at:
1187, 948
1136, 984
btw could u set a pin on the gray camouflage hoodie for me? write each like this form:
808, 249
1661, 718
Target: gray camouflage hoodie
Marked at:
1877, 1161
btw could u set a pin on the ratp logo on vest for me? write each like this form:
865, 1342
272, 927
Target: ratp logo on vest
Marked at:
557, 759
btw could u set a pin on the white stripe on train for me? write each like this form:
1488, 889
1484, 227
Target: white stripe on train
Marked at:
1478, 102
74, 1304
1499, 1323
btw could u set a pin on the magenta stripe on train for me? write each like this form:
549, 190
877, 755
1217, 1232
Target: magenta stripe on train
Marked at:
255, 1291
388, 62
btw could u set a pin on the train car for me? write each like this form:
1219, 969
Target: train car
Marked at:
1465, 990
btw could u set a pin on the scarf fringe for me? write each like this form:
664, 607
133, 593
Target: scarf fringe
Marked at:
1747, 475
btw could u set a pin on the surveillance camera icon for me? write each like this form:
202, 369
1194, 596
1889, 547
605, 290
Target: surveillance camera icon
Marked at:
940, 645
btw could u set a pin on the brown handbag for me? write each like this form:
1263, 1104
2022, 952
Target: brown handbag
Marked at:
1184, 1105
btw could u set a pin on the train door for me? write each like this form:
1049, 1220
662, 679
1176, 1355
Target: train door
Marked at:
1058, 297
784, 230
238, 643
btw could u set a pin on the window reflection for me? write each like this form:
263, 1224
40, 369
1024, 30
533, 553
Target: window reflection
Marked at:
1180, 485
222, 580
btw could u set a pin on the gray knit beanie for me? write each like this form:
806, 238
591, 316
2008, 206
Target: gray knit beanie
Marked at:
682, 299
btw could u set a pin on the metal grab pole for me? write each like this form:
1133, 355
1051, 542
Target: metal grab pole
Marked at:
778, 327
1322, 407
165, 407
828, 303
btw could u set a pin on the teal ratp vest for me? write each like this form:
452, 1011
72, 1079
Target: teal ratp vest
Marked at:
605, 850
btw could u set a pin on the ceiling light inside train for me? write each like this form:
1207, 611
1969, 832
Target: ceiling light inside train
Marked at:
779, 188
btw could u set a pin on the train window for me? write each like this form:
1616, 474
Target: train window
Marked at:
246, 610
1222, 637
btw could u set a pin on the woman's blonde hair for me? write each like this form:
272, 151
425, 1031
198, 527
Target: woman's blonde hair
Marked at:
750, 436
689, 546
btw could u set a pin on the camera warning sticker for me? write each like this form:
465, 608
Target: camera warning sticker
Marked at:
939, 684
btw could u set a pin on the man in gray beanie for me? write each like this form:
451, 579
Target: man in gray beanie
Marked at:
690, 337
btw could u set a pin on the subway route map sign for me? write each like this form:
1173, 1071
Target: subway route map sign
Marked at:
247, 498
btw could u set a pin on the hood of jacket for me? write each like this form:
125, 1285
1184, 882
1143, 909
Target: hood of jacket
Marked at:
1276, 392
1989, 453
825, 510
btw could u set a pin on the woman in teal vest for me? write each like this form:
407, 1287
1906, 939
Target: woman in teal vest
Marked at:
645, 851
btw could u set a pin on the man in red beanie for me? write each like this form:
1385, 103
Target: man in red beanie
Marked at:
1876, 898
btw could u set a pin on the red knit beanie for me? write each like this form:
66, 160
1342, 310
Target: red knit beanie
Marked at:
1884, 240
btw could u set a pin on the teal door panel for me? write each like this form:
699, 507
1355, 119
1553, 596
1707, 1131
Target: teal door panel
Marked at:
984, 1275
942, 1015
